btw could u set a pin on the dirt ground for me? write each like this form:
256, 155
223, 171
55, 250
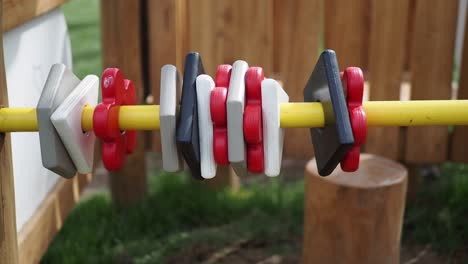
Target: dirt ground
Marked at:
242, 252
246, 252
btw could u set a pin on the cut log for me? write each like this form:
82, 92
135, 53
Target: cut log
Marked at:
355, 217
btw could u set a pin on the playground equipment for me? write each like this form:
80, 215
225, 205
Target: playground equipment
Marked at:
301, 21
338, 122
257, 109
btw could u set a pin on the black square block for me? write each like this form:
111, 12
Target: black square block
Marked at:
187, 127
333, 141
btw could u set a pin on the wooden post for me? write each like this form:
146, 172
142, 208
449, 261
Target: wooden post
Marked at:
459, 152
8, 236
166, 23
225, 177
355, 217
121, 46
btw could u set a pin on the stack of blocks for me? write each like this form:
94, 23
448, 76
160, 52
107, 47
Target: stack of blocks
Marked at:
231, 120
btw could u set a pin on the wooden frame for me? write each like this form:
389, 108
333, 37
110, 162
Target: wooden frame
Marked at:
122, 42
32, 241
30, 244
36, 235
8, 239
17, 12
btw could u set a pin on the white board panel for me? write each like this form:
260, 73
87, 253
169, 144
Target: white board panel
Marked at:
30, 50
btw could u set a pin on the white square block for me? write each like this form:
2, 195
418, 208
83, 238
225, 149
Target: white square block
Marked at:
235, 118
205, 85
55, 157
171, 86
67, 122
273, 135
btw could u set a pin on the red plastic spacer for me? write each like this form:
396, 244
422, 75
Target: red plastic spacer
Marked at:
115, 143
223, 75
254, 163
218, 99
253, 127
220, 146
353, 82
253, 124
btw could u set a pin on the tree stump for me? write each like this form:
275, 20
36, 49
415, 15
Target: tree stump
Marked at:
355, 217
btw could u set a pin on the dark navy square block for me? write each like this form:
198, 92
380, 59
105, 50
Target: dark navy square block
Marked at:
187, 127
333, 141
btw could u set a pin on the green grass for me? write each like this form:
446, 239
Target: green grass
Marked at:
439, 216
178, 214
83, 25
181, 217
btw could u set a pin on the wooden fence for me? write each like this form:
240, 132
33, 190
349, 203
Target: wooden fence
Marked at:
398, 43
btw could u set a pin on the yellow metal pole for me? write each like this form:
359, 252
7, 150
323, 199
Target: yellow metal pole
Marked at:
135, 117
293, 115
417, 113
18, 119
301, 115
383, 113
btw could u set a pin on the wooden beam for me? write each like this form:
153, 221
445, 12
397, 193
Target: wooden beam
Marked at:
18, 12
37, 234
8, 239
121, 27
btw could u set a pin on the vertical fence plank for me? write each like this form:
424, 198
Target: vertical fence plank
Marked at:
206, 32
248, 33
409, 38
387, 52
206, 36
297, 32
431, 66
121, 41
347, 31
8, 236
459, 150
224, 31
166, 23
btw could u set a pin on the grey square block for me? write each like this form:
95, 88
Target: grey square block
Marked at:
60, 83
